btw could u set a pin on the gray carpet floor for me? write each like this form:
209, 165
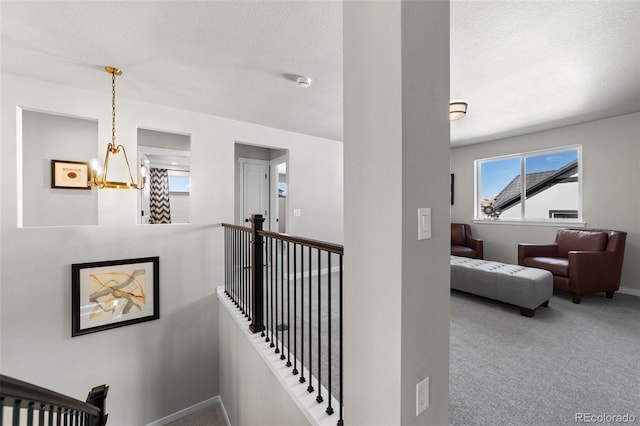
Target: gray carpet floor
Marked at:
506, 369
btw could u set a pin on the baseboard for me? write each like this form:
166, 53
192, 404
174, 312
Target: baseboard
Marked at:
189, 410
628, 290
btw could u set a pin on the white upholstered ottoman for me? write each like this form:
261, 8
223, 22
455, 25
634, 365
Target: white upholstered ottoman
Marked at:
527, 288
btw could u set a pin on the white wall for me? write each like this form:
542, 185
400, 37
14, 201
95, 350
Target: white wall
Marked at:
158, 367
610, 197
250, 391
396, 133
47, 137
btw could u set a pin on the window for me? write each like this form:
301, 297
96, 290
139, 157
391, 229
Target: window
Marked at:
551, 186
179, 182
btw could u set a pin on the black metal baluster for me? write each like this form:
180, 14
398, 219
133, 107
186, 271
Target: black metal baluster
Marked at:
268, 284
319, 398
263, 285
51, 415
302, 379
250, 294
271, 295
329, 409
66, 417
16, 412
282, 356
40, 414
245, 275
310, 387
295, 309
275, 298
226, 263
288, 305
30, 413
341, 420
245, 270
235, 265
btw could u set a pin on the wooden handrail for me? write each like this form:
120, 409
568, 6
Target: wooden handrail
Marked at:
12, 389
321, 245
238, 227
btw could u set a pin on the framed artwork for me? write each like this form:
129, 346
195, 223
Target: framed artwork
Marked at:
69, 174
114, 293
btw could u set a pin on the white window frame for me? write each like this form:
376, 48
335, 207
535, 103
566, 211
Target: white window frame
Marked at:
522, 220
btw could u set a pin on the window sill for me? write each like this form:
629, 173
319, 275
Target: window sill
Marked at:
558, 223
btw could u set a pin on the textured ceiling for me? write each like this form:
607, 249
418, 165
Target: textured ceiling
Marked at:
522, 65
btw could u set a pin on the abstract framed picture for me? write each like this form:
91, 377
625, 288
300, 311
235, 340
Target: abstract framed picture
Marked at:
114, 293
69, 174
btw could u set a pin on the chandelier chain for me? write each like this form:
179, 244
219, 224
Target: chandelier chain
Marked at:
113, 109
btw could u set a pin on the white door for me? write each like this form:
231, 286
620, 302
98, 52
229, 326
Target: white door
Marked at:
255, 190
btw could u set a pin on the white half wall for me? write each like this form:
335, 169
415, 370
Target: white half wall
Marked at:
610, 197
158, 367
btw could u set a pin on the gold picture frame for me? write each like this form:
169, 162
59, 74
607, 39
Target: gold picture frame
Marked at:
69, 174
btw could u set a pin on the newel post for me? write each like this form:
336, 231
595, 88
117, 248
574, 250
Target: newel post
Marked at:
257, 303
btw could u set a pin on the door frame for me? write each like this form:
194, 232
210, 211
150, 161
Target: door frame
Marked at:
274, 208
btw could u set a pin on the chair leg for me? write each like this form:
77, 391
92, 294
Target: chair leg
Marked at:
576, 297
610, 295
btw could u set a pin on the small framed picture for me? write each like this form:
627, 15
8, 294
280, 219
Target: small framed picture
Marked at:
114, 293
69, 174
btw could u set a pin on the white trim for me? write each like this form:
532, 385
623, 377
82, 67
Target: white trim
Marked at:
190, 410
629, 290
557, 223
306, 402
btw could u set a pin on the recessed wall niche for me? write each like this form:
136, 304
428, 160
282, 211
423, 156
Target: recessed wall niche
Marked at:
166, 197
46, 137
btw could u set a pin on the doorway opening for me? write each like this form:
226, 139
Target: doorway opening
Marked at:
261, 185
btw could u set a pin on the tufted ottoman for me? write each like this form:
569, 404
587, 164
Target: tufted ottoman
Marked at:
527, 288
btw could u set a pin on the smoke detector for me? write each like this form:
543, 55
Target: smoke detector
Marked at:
303, 81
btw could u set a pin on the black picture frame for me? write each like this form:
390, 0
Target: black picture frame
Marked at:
114, 293
70, 174
452, 180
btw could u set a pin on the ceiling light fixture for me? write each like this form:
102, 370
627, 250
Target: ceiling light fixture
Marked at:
113, 149
303, 81
457, 110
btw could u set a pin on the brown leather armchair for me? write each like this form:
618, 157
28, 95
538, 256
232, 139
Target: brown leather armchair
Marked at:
463, 244
581, 260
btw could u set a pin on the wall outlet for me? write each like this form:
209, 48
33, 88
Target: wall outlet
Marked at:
422, 396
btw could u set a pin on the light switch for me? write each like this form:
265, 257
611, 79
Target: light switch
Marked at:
424, 223
296, 212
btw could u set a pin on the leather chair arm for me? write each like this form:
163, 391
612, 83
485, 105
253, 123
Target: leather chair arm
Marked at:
590, 270
476, 244
536, 250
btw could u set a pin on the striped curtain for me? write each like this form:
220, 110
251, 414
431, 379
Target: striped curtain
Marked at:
159, 206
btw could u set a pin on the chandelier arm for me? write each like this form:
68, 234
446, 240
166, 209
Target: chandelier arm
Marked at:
124, 151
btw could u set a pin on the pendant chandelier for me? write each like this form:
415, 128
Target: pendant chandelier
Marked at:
113, 149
